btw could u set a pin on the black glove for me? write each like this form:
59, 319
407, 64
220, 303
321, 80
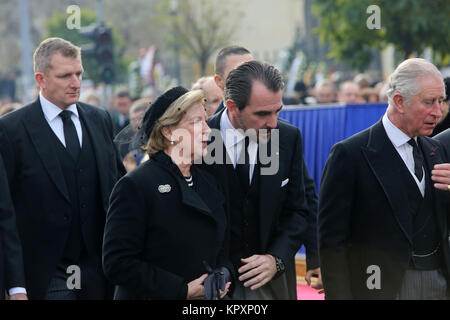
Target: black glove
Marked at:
217, 279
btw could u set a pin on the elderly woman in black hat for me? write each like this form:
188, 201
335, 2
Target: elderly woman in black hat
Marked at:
165, 234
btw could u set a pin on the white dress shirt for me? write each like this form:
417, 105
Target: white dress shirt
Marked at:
400, 141
234, 141
51, 113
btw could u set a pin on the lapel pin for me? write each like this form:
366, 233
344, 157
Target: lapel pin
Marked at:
164, 188
431, 154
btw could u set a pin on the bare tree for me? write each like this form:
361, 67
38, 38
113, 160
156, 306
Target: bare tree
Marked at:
200, 27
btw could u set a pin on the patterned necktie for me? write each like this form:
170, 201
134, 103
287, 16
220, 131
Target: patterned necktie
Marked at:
418, 159
70, 134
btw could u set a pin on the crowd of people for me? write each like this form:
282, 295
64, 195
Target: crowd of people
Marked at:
326, 91
176, 196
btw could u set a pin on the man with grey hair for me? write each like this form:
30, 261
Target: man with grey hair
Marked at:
383, 224
61, 165
349, 93
213, 93
325, 92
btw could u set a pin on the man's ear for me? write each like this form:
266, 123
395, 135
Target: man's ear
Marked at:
218, 81
232, 108
399, 102
40, 80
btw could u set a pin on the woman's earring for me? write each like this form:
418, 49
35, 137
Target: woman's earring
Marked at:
172, 142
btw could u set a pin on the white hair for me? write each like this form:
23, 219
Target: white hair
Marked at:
406, 78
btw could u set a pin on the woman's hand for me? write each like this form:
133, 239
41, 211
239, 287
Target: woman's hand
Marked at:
196, 290
225, 292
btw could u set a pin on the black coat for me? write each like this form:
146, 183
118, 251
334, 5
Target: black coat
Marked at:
364, 216
11, 262
159, 231
39, 192
286, 218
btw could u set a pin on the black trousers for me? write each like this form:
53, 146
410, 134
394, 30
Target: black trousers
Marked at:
93, 284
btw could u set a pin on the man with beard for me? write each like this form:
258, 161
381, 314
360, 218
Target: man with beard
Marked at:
262, 174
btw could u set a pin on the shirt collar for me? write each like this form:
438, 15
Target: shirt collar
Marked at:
230, 135
397, 136
51, 111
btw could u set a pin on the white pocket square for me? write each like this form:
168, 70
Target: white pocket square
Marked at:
284, 182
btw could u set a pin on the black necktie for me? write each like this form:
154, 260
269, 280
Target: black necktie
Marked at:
70, 134
418, 159
243, 166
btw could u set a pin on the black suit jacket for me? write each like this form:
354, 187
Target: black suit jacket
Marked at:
39, 191
11, 262
159, 231
219, 109
284, 213
444, 138
364, 218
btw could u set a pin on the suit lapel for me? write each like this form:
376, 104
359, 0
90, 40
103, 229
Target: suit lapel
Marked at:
189, 197
218, 145
40, 135
92, 123
432, 156
269, 190
388, 166
430, 152
192, 199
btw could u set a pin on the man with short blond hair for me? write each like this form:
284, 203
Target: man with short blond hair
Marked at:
61, 165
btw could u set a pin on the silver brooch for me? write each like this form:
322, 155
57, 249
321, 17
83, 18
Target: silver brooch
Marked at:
164, 188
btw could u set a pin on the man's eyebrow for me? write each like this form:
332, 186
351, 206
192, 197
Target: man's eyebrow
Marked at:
267, 111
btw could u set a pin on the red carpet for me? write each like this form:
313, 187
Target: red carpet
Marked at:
308, 293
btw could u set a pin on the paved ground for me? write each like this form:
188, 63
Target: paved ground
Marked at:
305, 292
